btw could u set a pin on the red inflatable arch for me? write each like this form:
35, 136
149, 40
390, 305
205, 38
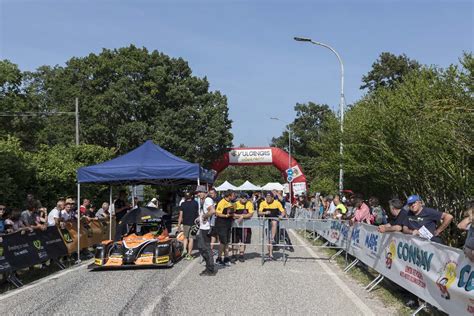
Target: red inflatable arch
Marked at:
258, 156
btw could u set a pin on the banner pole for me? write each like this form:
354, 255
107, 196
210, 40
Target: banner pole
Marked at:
78, 222
110, 213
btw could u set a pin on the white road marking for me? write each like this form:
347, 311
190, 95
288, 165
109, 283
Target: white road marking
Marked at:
352, 296
44, 280
150, 307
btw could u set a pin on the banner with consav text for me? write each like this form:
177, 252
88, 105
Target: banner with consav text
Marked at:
438, 274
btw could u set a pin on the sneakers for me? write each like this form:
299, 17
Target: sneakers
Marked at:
227, 262
188, 257
208, 273
233, 259
219, 261
241, 258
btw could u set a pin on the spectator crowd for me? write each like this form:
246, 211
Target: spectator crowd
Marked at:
214, 214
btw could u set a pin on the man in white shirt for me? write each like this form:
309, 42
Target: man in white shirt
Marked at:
55, 216
66, 214
332, 206
103, 212
206, 210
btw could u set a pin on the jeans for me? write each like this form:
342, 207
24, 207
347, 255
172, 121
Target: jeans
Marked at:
204, 246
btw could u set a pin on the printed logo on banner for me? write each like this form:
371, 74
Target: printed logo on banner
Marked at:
355, 237
446, 278
390, 254
37, 244
371, 243
466, 279
67, 237
412, 254
250, 156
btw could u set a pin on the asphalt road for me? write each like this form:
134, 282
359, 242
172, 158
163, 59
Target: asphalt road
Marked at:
305, 285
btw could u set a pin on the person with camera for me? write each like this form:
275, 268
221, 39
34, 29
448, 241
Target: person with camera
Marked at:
206, 210
223, 226
188, 213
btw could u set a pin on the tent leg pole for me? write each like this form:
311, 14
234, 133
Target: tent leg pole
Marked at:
199, 181
133, 196
78, 222
110, 213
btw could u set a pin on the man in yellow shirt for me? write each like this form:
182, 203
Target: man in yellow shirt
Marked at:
272, 209
341, 210
223, 225
243, 210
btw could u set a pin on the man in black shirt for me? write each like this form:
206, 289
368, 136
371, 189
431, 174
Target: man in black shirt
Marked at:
420, 216
398, 217
188, 213
121, 206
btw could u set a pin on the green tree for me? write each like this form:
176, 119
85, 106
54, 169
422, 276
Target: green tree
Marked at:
127, 95
16, 173
388, 70
315, 134
55, 170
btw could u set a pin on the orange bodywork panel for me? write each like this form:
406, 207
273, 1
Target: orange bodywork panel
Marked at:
144, 260
133, 241
114, 262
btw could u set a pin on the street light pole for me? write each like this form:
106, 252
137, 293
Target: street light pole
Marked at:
341, 104
77, 121
289, 153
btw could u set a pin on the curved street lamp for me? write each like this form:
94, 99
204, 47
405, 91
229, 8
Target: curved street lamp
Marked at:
341, 105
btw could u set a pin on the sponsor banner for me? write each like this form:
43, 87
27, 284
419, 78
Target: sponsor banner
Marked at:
92, 233
250, 156
299, 188
4, 265
438, 274
30, 248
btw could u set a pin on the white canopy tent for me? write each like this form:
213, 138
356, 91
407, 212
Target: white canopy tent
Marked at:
272, 186
226, 186
249, 186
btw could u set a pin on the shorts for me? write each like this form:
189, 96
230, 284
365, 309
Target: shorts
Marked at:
187, 232
241, 235
223, 232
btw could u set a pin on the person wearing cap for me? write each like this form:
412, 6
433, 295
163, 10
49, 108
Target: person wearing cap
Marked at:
272, 209
420, 217
224, 219
188, 213
243, 210
398, 217
206, 210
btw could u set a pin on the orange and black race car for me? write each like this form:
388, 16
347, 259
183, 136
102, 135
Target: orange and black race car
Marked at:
141, 240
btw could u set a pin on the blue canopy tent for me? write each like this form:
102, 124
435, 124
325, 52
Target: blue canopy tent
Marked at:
147, 164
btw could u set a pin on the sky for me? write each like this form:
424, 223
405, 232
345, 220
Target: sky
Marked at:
246, 48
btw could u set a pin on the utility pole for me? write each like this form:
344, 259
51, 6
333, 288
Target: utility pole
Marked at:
77, 121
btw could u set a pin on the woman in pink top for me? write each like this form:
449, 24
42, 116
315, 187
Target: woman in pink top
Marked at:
361, 212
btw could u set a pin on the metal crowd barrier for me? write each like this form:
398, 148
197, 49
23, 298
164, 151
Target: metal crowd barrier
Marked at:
281, 242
